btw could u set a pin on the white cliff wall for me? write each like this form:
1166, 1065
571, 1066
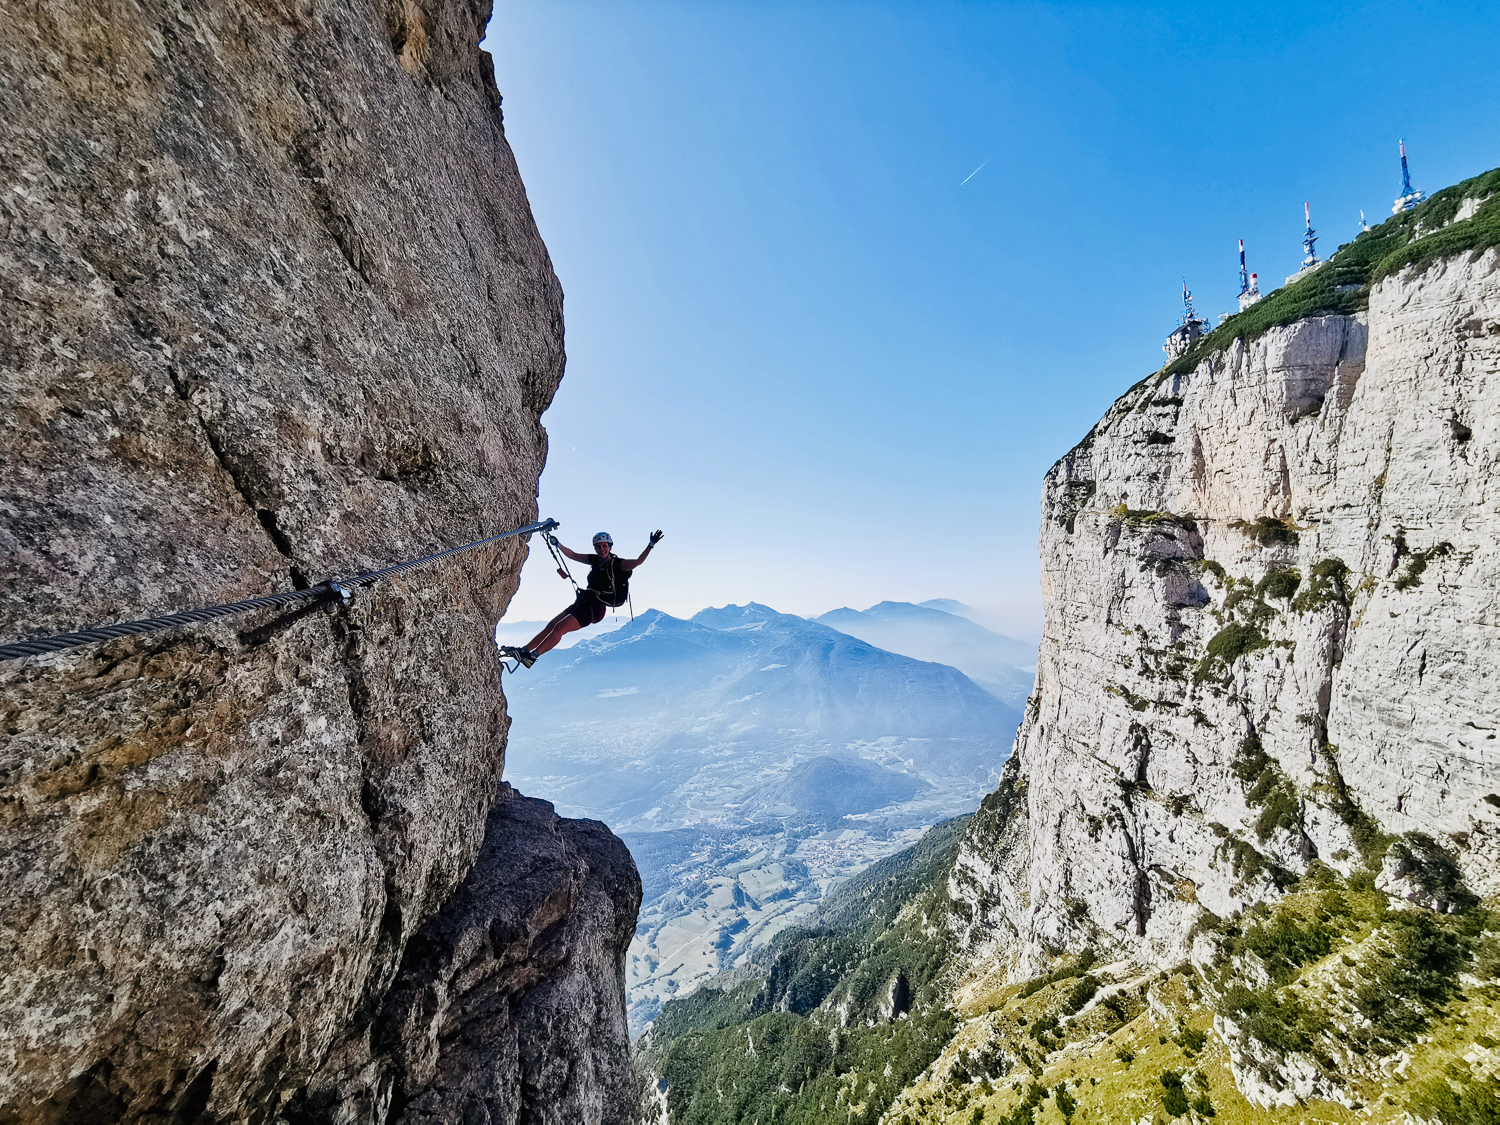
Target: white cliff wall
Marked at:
1201, 730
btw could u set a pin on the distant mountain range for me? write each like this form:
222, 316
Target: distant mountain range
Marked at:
752, 760
941, 631
665, 723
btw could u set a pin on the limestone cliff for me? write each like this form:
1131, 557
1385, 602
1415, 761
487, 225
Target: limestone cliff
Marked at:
275, 309
1271, 638
1276, 569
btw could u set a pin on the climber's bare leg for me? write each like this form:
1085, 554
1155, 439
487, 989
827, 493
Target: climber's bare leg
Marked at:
559, 627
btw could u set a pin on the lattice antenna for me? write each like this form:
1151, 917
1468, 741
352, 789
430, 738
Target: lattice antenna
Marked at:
1409, 196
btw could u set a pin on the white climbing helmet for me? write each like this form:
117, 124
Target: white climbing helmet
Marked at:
603, 537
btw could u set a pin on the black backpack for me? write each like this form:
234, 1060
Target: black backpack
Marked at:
609, 581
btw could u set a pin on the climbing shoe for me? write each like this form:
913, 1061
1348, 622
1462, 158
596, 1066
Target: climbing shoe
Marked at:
526, 657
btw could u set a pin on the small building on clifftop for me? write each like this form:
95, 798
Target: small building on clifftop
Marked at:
1188, 331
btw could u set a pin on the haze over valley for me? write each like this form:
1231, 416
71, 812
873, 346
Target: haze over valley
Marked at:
753, 760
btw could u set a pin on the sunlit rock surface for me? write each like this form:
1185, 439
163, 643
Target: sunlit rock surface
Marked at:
1271, 589
274, 309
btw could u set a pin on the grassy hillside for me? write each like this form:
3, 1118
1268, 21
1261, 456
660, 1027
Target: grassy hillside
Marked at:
1342, 285
1389, 1013
1360, 1006
835, 1018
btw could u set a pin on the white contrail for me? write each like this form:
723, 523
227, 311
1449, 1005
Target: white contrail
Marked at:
974, 173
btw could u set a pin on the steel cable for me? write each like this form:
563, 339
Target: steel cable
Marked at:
334, 588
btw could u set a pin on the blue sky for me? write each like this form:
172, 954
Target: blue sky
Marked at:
835, 373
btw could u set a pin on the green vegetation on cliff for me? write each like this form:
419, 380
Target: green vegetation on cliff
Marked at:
837, 1016
1394, 1007
1342, 284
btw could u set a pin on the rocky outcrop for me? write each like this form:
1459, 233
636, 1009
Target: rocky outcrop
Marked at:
274, 309
1270, 638
510, 1002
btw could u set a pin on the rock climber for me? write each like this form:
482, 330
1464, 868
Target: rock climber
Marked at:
608, 586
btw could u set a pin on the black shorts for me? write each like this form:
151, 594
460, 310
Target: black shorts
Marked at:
588, 609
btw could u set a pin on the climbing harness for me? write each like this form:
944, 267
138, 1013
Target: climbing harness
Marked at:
341, 589
511, 652
611, 597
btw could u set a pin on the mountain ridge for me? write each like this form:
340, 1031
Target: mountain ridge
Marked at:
635, 685
1003, 666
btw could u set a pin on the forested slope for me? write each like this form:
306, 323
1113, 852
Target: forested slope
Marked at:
832, 1019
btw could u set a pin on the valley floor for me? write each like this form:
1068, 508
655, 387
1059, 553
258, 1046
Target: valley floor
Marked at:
715, 895
727, 901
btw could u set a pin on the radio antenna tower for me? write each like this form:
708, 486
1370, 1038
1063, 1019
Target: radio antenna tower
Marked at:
1309, 238
1409, 196
1249, 283
1189, 332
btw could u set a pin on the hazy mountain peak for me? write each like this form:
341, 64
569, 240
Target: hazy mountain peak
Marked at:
950, 605
750, 615
889, 606
918, 612
833, 786
1001, 665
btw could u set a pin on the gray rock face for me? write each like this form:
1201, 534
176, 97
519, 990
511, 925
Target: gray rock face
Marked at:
274, 308
510, 1002
1271, 589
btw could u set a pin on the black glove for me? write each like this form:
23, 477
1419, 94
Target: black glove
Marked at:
553, 540
655, 538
